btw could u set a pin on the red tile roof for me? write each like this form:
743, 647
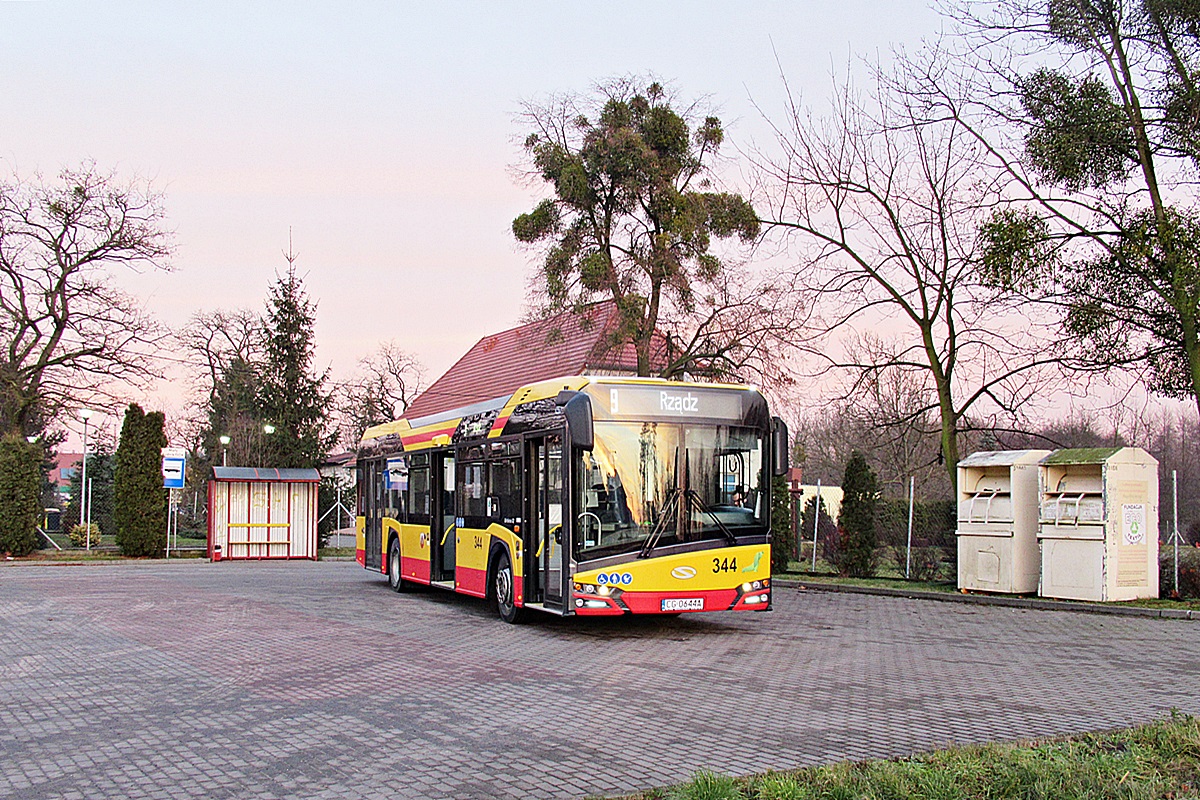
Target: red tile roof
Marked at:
500, 363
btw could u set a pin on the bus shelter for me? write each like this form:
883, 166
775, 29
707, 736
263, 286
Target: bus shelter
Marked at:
262, 513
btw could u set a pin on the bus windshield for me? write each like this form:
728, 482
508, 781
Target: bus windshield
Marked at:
649, 484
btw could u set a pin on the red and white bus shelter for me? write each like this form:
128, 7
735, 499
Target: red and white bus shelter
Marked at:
262, 513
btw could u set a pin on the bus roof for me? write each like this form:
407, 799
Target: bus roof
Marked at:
491, 415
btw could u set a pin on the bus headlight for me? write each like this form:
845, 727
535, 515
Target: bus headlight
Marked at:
753, 586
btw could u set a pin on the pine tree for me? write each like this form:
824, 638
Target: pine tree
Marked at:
291, 397
783, 538
20, 495
857, 520
140, 502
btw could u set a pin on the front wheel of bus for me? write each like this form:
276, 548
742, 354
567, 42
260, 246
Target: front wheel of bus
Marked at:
394, 579
506, 601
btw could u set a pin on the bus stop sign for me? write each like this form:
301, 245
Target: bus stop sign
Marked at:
174, 467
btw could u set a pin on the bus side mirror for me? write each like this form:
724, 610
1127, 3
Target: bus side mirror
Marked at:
779, 447
578, 413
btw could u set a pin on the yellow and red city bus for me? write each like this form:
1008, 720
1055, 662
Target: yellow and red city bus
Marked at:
579, 496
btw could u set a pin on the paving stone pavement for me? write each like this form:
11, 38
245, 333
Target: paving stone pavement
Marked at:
313, 680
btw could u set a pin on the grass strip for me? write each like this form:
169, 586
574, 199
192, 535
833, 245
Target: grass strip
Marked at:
1159, 761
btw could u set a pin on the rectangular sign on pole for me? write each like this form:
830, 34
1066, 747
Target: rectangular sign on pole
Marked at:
173, 471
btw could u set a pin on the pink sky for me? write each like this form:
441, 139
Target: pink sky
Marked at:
382, 134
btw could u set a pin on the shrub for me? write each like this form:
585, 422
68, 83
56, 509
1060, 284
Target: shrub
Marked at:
783, 542
79, 535
926, 564
1189, 571
934, 522
139, 498
20, 495
857, 521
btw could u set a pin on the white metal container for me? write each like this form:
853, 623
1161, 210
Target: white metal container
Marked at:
262, 513
1098, 524
998, 521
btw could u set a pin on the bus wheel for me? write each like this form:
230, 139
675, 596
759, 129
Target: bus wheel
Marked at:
394, 580
506, 601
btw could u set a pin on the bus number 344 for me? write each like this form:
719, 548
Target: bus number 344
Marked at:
725, 564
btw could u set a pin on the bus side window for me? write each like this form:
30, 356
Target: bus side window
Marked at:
418, 495
396, 479
362, 482
471, 499
504, 491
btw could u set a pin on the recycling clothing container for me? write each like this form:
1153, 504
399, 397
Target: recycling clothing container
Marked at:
1098, 524
998, 521
262, 513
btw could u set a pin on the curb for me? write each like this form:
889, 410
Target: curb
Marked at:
1037, 604
155, 562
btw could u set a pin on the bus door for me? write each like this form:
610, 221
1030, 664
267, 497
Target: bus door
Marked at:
546, 539
371, 487
442, 530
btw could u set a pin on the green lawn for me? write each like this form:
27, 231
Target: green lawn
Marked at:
1152, 762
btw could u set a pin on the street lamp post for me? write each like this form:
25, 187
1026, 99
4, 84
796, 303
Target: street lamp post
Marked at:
85, 510
224, 450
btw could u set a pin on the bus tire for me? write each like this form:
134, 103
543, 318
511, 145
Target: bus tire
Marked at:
397, 583
503, 589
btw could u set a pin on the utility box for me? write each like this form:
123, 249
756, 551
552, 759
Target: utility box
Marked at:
1098, 525
998, 521
262, 513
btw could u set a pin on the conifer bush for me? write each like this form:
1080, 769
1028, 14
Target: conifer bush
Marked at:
857, 520
20, 495
139, 499
783, 538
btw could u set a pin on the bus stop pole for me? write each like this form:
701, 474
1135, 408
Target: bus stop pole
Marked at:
912, 480
816, 519
1175, 524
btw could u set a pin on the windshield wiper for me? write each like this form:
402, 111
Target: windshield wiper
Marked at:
669, 514
705, 509
672, 509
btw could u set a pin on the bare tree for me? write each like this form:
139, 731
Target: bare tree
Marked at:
744, 329
225, 350
382, 389
886, 204
891, 421
219, 342
1091, 108
69, 336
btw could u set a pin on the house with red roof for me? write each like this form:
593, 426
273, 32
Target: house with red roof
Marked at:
571, 343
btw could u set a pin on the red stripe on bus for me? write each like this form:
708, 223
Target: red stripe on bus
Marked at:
414, 569
421, 438
471, 581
